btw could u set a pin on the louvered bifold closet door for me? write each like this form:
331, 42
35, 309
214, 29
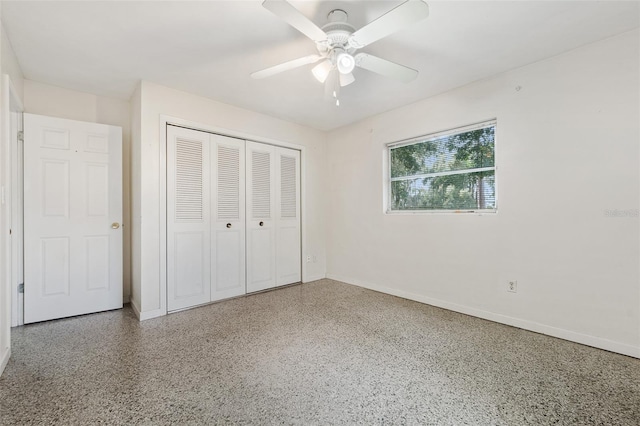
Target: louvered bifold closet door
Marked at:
188, 218
228, 226
288, 261
261, 211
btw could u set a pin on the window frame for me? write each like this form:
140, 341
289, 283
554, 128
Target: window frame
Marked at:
430, 137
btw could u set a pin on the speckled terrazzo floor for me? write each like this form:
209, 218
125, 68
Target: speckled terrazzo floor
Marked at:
318, 353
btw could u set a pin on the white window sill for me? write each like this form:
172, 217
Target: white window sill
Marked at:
447, 212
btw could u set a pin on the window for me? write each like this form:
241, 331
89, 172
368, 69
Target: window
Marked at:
452, 171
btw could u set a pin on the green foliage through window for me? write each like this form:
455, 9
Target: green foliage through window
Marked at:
452, 171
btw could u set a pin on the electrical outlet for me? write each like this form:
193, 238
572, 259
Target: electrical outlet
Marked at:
315, 259
512, 286
308, 259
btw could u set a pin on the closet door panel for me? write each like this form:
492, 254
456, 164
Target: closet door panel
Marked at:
229, 260
189, 266
188, 218
261, 243
228, 230
288, 245
233, 217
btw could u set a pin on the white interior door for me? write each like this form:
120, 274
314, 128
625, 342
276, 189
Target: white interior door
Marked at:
261, 242
188, 218
287, 226
72, 217
228, 225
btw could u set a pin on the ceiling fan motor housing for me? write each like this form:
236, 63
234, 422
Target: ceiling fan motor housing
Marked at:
338, 31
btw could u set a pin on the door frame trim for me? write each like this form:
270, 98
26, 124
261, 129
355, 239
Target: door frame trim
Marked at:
13, 104
166, 120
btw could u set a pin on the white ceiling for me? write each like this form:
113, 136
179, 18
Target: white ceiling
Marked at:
210, 48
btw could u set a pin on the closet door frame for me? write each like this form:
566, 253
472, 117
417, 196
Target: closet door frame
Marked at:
166, 120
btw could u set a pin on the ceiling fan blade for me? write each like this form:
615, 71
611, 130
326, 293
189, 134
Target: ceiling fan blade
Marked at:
409, 12
286, 66
285, 11
384, 67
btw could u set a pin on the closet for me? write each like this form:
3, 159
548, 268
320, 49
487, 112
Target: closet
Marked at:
233, 217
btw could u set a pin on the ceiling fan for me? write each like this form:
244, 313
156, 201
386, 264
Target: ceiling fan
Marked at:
337, 42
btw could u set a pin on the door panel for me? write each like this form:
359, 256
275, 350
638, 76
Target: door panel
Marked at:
188, 218
228, 233
261, 244
288, 260
287, 229
55, 258
97, 266
55, 191
97, 199
72, 195
230, 263
190, 269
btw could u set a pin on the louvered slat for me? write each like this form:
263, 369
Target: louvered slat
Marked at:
188, 180
288, 192
261, 185
228, 183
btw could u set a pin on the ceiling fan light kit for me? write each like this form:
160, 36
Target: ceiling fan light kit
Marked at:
346, 79
345, 62
338, 40
322, 70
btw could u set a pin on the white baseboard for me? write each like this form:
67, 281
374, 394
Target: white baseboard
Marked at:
158, 312
146, 315
4, 360
561, 333
135, 308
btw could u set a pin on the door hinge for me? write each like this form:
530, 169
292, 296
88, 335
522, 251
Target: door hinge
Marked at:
21, 288
20, 136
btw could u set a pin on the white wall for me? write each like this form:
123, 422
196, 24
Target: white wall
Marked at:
10, 64
54, 101
567, 151
157, 100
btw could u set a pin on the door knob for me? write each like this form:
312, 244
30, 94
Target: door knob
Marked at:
261, 224
228, 225
115, 225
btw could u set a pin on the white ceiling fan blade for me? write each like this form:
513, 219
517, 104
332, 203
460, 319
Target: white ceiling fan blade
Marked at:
285, 11
386, 68
286, 66
395, 20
